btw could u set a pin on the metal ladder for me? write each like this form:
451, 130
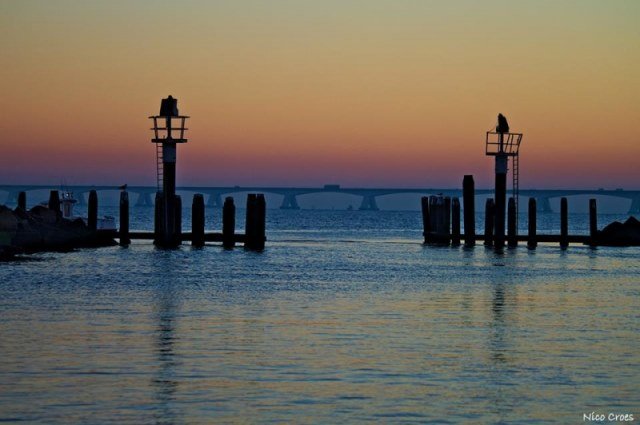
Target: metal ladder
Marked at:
515, 186
159, 168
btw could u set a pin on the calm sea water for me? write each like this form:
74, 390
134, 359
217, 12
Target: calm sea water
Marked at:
345, 317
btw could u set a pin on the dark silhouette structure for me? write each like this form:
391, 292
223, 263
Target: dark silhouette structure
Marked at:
441, 223
503, 125
593, 221
22, 201
228, 223
532, 241
512, 231
436, 216
166, 137
619, 234
564, 223
169, 128
468, 199
197, 221
489, 215
502, 144
123, 232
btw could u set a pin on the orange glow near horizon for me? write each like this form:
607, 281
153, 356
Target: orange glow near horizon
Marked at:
375, 93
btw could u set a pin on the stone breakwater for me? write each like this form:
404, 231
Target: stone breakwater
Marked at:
43, 229
620, 234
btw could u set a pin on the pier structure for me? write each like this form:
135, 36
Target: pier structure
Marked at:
502, 145
253, 239
441, 222
168, 131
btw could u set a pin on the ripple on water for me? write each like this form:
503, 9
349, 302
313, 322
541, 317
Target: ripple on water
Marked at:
378, 328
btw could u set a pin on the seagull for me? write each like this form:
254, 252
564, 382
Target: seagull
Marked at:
123, 187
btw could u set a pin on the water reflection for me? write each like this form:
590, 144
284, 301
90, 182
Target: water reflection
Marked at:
325, 332
164, 382
501, 325
497, 344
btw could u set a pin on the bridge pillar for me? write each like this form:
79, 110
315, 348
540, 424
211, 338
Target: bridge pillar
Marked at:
215, 200
635, 206
290, 202
544, 205
144, 199
368, 203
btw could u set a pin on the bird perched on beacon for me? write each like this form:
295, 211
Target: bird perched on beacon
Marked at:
503, 125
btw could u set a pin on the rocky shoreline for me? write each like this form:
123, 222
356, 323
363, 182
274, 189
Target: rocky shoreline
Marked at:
620, 234
42, 229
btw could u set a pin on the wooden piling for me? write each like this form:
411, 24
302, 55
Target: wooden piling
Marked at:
125, 239
489, 211
469, 203
593, 222
455, 221
512, 231
426, 220
564, 223
157, 226
251, 222
228, 223
92, 213
500, 208
261, 218
176, 237
54, 202
446, 231
532, 241
439, 213
197, 220
22, 201
438, 208
433, 216
439, 220
168, 220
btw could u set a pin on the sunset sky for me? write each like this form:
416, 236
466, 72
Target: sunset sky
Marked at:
297, 93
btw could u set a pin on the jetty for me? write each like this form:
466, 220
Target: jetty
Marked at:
441, 214
49, 230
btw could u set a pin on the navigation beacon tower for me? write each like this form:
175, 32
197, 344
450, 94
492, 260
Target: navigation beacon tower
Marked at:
168, 130
502, 145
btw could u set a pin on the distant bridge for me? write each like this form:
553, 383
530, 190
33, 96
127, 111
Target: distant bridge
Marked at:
290, 194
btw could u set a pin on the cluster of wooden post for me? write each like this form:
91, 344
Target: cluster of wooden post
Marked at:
436, 216
255, 231
255, 224
441, 221
440, 215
